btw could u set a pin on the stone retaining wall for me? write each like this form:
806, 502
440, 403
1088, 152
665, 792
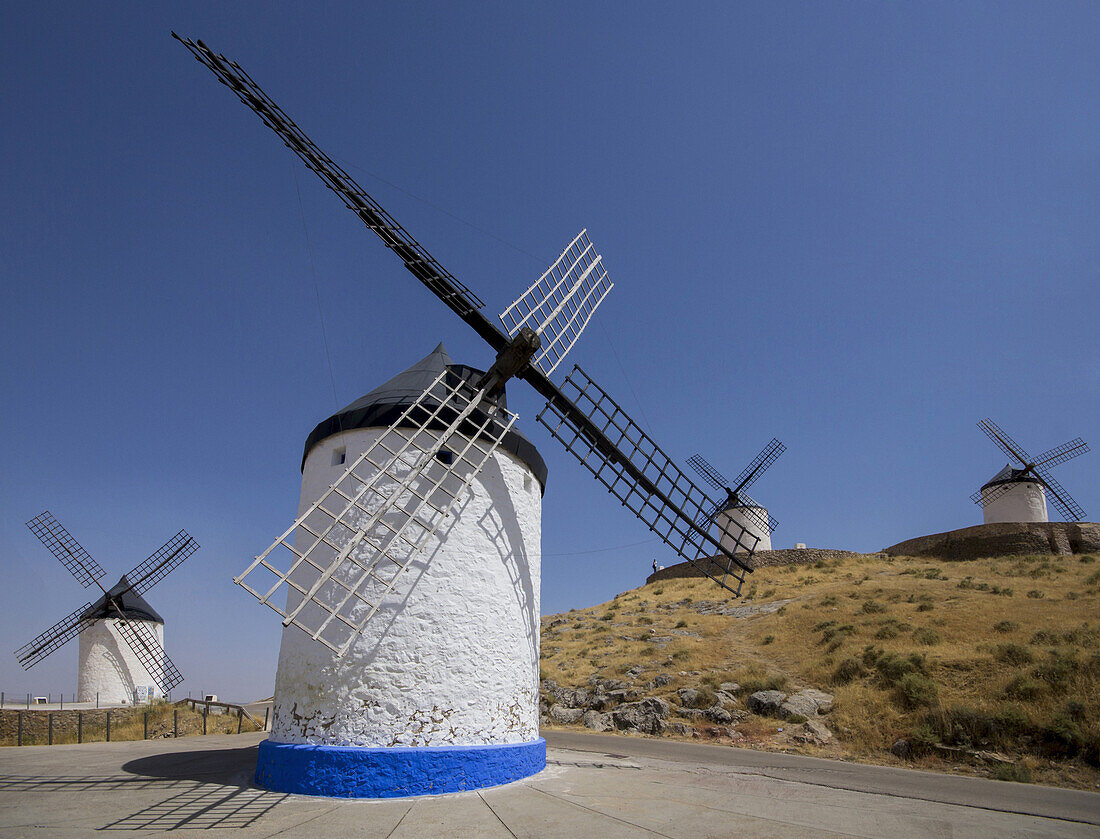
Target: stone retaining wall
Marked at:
761, 559
1004, 539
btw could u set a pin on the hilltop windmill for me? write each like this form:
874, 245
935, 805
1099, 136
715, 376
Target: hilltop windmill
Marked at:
415, 557
738, 505
122, 656
1018, 494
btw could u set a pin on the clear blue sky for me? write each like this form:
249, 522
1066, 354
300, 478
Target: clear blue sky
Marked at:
858, 227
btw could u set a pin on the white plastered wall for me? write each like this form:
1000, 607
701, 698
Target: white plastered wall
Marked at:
739, 517
451, 657
1025, 501
109, 668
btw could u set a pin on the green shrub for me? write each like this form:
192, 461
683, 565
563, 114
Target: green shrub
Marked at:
607, 617
925, 607
645, 620
795, 719
1059, 670
848, 669
1005, 626
872, 607
1023, 689
917, 691
1013, 654
681, 624
886, 632
1035, 594
893, 667
1012, 772
767, 639
840, 632
927, 636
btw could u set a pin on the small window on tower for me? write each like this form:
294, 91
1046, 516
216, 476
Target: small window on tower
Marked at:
339, 456
445, 457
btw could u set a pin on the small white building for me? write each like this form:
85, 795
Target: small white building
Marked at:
1013, 495
109, 670
439, 692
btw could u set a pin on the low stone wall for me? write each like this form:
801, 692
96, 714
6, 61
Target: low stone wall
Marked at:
761, 559
1005, 539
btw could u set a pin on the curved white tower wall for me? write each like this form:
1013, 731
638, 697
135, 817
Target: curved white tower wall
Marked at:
1024, 501
109, 668
451, 657
739, 516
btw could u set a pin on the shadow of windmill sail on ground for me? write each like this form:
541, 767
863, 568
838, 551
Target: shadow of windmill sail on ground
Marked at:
203, 807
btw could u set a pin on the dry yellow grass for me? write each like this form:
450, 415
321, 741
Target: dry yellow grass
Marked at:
999, 654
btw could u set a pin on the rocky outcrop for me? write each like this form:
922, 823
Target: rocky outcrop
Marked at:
647, 716
766, 702
1004, 539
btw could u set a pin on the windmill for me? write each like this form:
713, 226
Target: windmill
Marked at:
404, 491
738, 505
1021, 494
122, 656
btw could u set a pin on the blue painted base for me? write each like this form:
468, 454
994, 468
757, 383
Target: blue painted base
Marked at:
357, 772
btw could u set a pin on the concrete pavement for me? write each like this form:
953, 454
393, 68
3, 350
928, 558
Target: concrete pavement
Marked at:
594, 786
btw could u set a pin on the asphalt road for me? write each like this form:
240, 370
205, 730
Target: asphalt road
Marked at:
1001, 796
594, 786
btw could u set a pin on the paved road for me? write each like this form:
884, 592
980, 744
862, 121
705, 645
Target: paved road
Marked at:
594, 786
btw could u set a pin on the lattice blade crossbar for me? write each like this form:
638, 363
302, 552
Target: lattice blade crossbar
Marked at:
1062, 500
671, 505
140, 638
561, 302
58, 542
1062, 453
707, 472
350, 546
54, 638
161, 563
759, 465
1005, 443
421, 263
992, 494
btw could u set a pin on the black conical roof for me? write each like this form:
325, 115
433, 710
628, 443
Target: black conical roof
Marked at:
133, 605
1011, 475
383, 406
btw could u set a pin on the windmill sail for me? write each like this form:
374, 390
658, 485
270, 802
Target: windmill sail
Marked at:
421, 263
55, 637
349, 548
590, 424
58, 542
141, 640
561, 302
161, 563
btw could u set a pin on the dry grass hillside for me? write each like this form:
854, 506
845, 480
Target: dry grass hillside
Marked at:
985, 667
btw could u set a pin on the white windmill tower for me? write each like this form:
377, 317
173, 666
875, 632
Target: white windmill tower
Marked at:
1020, 495
409, 583
738, 507
121, 656
420, 673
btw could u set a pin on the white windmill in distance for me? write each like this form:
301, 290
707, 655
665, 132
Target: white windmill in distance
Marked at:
122, 657
738, 506
1020, 494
